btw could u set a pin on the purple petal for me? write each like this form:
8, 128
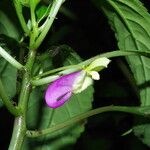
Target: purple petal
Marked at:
60, 90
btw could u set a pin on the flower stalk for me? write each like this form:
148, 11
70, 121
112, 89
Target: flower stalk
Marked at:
141, 111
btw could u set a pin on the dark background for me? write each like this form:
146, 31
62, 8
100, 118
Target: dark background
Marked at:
89, 34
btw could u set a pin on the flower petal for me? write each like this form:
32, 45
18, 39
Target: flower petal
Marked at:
95, 75
85, 83
60, 90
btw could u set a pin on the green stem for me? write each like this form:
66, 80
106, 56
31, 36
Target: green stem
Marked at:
81, 65
49, 21
74, 67
26, 84
35, 30
133, 110
18, 135
11, 108
10, 59
19, 131
32, 9
46, 80
18, 8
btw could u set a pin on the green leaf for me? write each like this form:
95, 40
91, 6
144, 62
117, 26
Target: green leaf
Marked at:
40, 116
8, 73
7, 27
143, 133
42, 12
131, 21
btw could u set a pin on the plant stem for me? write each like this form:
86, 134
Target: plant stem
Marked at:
74, 67
19, 131
11, 108
35, 30
143, 111
117, 53
10, 59
49, 21
46, 80
18, 134
20, 122
32, 9
18, 8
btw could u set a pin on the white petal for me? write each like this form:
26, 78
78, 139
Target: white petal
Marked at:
95, 75
87, 82
79, 81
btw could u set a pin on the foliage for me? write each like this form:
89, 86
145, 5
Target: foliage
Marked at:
31, 57
130, 21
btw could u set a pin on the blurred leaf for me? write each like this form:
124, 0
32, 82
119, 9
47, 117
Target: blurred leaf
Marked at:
7, 27
64, 55
112, 89
60, 34
68, 13
8, 73
131, 21
93, 143
9, 44
40, 116
143, 133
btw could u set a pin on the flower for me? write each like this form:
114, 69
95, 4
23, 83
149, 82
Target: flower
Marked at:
63, 88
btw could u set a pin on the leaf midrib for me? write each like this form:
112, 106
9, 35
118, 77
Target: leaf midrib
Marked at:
132, 34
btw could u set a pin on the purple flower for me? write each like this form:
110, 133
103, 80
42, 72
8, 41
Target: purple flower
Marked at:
62, 89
